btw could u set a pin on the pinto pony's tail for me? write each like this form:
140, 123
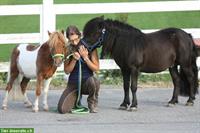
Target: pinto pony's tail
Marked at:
15, 93
185, 86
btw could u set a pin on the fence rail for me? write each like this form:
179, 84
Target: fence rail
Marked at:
104, 65
35, 37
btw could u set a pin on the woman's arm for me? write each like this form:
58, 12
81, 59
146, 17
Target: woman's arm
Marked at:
69, 64
92, 63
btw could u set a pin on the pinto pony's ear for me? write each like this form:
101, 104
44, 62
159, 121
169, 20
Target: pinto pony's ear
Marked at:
62, 31
49, 33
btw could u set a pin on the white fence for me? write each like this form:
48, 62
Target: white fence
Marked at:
48, 12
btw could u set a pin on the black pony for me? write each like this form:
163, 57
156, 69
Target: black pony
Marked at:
135, 51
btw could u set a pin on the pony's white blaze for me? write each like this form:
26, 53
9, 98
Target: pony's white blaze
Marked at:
27, 61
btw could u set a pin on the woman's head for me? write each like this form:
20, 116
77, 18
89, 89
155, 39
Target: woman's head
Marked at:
73, 34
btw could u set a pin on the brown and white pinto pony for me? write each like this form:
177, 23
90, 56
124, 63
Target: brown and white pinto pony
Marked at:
38, 62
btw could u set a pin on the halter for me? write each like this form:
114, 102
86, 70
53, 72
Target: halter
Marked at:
58, 55
96, 44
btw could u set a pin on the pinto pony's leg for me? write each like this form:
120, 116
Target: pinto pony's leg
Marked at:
13, 75
126, 81
134, 78
46, 89
5, 101
23, 85
176, 81
37, 93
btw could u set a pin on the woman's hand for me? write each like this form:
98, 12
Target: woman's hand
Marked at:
76, 56
83, 52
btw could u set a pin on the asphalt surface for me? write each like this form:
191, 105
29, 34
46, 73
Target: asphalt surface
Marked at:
152, 115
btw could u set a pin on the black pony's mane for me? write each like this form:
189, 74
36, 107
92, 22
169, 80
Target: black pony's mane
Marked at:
118, 32
120, 27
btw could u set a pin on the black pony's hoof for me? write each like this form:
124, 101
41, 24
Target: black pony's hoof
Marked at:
4, 108
132, 109
123, 107
171, 104
189, 104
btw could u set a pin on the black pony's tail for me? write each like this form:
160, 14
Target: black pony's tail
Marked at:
185, 87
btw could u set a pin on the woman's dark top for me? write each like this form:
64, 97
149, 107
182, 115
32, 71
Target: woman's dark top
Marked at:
86, 72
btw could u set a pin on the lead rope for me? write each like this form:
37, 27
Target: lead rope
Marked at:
79, 109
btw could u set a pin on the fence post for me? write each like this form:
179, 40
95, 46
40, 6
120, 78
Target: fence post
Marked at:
47, 20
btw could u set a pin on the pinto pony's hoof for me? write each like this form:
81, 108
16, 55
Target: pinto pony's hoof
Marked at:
46, 108
189, 104
35, 109
170, 104
132, 109
4, 108
27, 104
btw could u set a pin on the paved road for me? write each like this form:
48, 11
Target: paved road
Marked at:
152, 116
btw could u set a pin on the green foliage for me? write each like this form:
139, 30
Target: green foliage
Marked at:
145, 78
3, 77
58, 82
115, 77
110, 77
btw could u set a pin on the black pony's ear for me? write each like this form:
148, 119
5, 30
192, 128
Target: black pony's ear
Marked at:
101, 22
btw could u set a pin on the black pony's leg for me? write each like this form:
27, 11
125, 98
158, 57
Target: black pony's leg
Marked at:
189, 73
176, 81
134, 78
126, 81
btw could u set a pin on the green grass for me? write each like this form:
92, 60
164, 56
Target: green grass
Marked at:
154, 20
18, 2
5, 51
19, 24
29, 24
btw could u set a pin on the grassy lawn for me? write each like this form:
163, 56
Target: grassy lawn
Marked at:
19, 24
5, 52
149, 20
29, 24
17, 2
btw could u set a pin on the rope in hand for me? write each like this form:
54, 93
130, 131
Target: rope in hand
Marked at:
79, 109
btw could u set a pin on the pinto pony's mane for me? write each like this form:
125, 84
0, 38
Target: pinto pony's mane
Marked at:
55, 37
